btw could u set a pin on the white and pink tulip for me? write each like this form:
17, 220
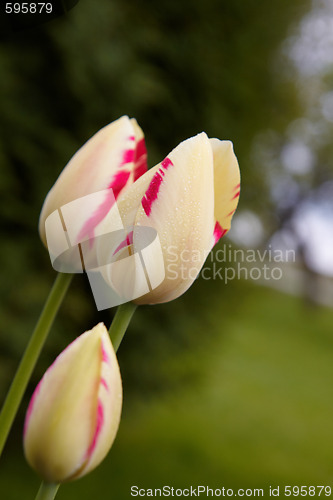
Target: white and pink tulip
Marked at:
110, 161
189, 199
74, 413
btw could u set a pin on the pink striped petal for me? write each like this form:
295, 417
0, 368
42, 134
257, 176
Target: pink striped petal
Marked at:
140, 154
189, 199
74, 413
108, 409
112, 159
179, 204
226, 186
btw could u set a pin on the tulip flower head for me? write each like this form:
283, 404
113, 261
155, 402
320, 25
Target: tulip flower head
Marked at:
74, 413
189, 199
106, 165
143, 235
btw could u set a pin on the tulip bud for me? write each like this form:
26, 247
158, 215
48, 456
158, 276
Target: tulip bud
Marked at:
189, 200
111, 160
74, 413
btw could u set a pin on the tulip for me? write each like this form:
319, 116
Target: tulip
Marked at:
74, 413
189, 199
111, 160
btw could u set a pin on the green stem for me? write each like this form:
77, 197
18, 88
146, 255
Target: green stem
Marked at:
120, 323
31, 355
47, 491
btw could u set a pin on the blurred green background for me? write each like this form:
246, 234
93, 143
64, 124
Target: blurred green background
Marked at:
231, 384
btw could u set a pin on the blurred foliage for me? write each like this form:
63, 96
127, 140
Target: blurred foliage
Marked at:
260, 415
178, 68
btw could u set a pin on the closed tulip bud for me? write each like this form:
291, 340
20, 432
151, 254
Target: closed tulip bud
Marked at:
74, 413
109, 162
189, 200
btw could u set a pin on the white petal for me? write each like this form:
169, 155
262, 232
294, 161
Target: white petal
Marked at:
179, 204
63, 434
109, 404
226, 185
112, 158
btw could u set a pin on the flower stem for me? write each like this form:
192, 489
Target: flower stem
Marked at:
31, 355
47, 491
120, 323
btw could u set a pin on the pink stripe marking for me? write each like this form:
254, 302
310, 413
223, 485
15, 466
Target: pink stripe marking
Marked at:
140, 160
117, 184
236, 195
125, 243
237, 187
128, 156
140, 149
140, 169
105, 356
218, 232
152, 193
154, 187
104, 384
166, 163
98, 428
30, 407
232, 212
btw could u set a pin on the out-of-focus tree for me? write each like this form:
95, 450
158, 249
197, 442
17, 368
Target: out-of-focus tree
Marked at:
299, 157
